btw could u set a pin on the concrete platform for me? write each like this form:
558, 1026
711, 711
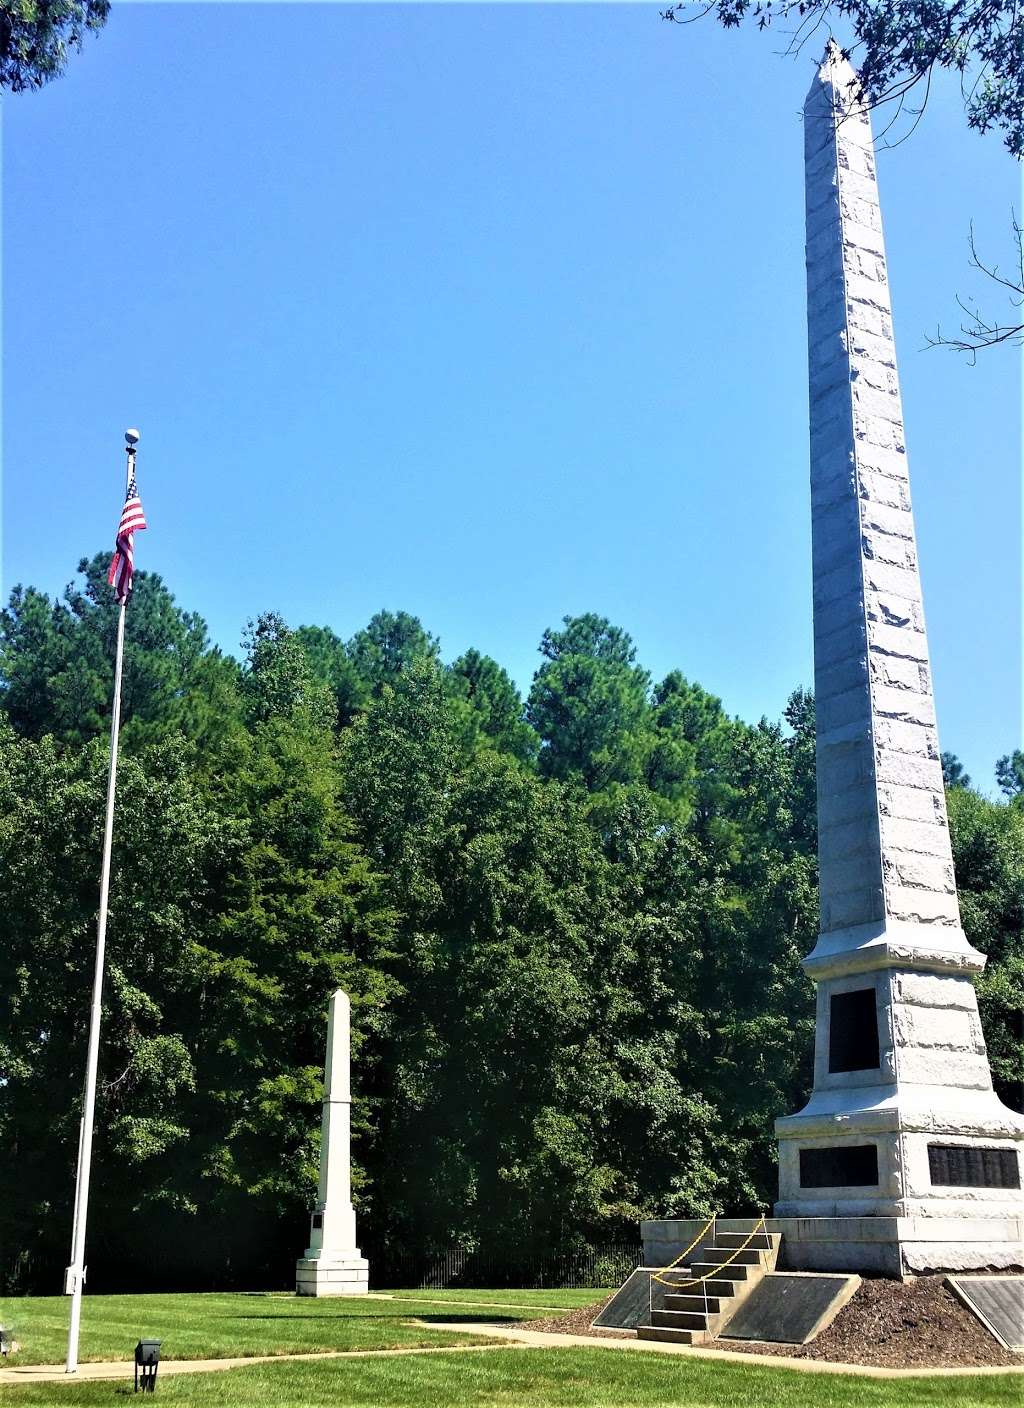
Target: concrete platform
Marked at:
882, 1246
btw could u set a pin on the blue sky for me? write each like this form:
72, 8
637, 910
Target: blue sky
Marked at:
491, 313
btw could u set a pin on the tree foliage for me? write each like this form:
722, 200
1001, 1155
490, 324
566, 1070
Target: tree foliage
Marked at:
571, 928
36, 36
898, 45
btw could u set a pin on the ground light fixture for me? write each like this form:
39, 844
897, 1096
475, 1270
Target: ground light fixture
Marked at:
147, 1358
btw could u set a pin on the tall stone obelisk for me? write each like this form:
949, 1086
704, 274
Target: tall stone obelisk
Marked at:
903, 1124
332, 1265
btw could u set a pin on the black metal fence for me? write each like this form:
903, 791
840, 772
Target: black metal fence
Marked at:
606, 1265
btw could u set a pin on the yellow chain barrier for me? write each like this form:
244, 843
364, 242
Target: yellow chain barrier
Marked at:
685, 1252
697, 1280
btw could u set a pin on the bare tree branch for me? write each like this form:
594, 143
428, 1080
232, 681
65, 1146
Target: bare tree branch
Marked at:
978, 332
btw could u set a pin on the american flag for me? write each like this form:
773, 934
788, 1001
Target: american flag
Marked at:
122, 564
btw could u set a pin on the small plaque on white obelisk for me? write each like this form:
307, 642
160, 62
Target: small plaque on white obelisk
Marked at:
332, 1265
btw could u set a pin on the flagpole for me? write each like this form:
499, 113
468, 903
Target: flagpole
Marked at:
75, 1275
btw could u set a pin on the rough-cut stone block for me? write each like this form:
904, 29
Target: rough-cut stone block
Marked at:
839, 584
910, 705
863, 237
839, 641
864, 318
859, 186
857, 802
857, 213
891, 464
932, 990
886, 518
965, 1070
831, 404
882, 490
906, 641
934, 1027
863, 344
913, 739
885, 547
874, 430
921, 906
913, 803
845, 764
869, 293
841, 678
848, 872
902, 835
907, 771
874, 374
832, 542
826, 429
843, 910
827, 374
824, 219
919, 871
883, 577
890, 670
837, 710
849, 838
887, 609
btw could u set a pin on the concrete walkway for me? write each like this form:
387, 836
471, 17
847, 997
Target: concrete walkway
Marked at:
541, 1339
125, 1368
503, 1337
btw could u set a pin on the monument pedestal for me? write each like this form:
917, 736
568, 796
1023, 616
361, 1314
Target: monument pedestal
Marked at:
894, 1246
340, 1274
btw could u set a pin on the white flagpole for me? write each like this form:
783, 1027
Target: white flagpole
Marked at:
75, 1275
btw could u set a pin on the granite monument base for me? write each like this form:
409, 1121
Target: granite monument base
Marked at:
876, 1245
346, 1274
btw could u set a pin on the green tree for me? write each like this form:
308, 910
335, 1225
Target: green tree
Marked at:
589, 704
953, 774
57, 664
169, 852
494, 707
988, 854
279, 680
898, 47
333, 666
389, 644
35, 38
1010, 774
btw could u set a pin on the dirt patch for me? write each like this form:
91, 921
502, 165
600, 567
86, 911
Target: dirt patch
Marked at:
891, 1324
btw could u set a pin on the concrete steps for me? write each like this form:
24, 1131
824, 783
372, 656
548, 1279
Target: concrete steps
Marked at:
729, 1269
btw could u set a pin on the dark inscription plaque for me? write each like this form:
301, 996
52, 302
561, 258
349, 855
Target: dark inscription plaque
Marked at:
852, 1167
957, 1166
853, 1031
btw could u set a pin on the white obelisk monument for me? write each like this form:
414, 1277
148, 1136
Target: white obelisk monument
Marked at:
332, 1265
904, 1159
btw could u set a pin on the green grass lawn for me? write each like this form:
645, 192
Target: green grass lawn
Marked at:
217, 1326
535, 1378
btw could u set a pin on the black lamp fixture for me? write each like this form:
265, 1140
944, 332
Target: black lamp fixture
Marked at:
147, 1358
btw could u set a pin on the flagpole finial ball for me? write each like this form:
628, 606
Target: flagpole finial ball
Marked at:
131, 438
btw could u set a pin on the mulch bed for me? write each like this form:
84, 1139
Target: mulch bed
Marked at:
890, 1324
577, 1322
